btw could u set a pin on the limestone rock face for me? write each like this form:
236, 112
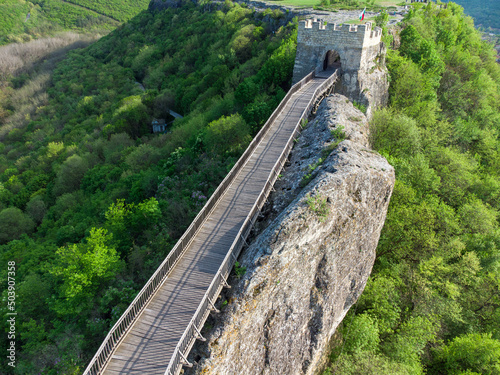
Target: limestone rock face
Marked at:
370, 84
311, 259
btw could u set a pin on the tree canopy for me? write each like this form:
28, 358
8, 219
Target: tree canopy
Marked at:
91, 201
432, 303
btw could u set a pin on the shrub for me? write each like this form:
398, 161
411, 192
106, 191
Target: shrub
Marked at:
36, 208
132, 117
142, 157
319, 206
14, 223
363, 334
70, 175
394, 133
227, 134
472, 352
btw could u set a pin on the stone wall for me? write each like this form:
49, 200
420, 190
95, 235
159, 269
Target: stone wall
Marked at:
361, 56
354, 43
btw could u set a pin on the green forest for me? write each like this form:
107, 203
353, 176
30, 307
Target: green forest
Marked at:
90, 201
22, 20
432, 303
486, 13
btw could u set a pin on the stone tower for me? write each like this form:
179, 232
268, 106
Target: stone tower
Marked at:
356, 50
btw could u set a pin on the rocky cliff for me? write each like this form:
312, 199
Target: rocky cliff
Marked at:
311, 258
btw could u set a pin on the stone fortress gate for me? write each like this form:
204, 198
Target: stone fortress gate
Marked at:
356, 50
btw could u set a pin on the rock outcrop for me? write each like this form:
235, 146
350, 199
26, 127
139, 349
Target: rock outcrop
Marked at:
312, 257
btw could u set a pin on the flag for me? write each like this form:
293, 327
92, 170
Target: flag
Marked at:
362, 15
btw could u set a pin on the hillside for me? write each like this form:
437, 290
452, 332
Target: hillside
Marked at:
90, 200
486, 13
21, 20
311, 255
432, 304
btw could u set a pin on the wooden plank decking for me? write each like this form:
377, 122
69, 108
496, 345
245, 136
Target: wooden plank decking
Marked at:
151, 341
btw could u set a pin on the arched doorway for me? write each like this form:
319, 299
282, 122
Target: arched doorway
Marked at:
331, 61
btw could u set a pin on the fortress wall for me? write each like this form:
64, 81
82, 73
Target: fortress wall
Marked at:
314, 39
363, 74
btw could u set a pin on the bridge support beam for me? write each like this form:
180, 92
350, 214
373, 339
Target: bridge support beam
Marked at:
225, 284
200, 337
185, 361
213, 306
244, 240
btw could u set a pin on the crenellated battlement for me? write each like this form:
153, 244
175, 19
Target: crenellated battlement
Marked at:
355, 50
313, 25
316, 25
354, 45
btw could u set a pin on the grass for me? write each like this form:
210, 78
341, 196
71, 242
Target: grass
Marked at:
297, 3
303, 123
389, 3
358, 22
339, 135
359, 106
238, 270
319, 206
121, 10
311, 168
50, 16
361, 4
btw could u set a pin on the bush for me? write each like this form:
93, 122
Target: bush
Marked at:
227, 134
393, 133
472, 352
142, 157
363, 334
70, 175
36, 208
476, 217
132, 117
14, 223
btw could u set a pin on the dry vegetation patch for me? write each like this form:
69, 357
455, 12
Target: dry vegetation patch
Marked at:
16, 58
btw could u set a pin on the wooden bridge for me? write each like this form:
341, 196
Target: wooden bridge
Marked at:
157, 331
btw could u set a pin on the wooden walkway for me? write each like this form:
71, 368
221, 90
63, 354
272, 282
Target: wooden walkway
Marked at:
150, 342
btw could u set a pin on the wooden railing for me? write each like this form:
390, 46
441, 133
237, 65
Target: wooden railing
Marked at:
194, 328
119, 330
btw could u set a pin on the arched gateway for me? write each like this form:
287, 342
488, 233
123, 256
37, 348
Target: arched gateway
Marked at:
331, 61
353, 46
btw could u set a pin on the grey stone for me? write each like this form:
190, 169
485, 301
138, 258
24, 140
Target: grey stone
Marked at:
364, 77
305, 268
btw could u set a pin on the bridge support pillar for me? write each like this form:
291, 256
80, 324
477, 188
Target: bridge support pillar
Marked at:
185, 361
213, 306
200, 337
225, 284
